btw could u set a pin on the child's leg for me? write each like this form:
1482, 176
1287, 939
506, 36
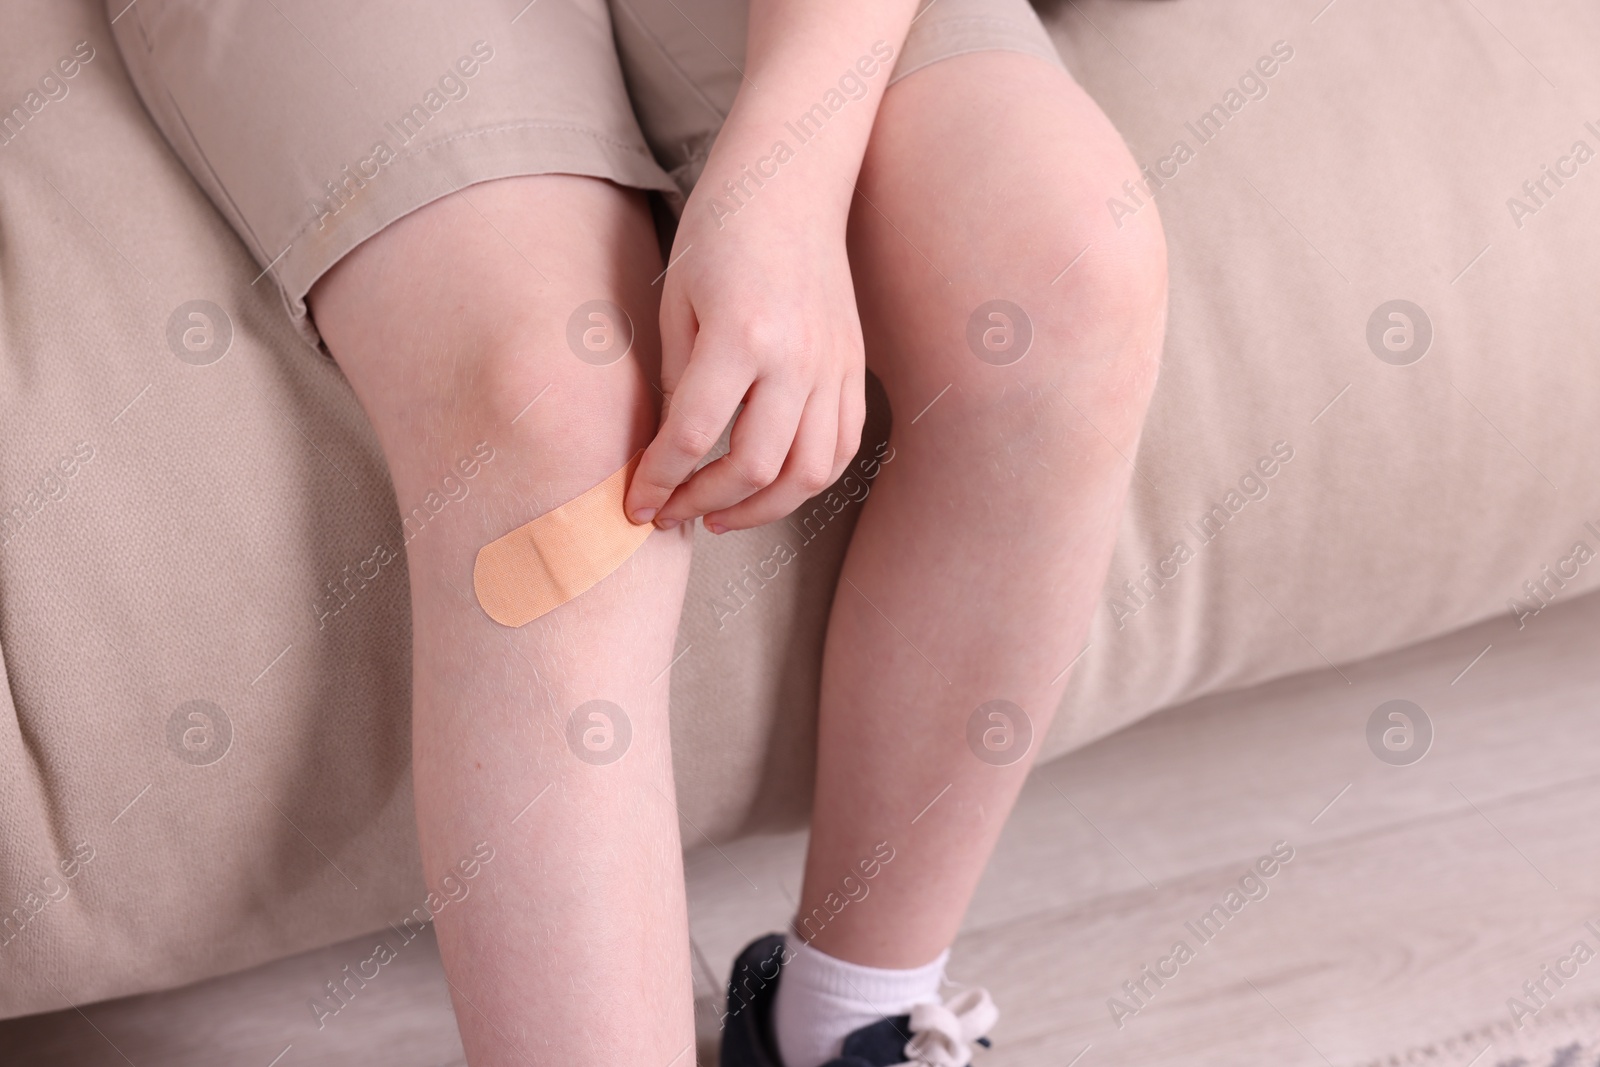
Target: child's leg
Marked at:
980, 553
571, 946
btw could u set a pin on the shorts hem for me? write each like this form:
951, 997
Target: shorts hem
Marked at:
960, 35
421, 175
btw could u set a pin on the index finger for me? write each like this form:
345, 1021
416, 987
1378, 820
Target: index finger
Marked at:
696, 414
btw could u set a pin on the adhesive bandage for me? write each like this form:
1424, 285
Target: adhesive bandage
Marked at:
563, 553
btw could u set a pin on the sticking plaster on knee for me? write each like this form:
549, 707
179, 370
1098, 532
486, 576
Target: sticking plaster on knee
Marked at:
560, 555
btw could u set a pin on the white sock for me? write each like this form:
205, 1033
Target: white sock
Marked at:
821, 1000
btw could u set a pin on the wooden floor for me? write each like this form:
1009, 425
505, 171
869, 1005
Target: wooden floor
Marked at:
1418, 900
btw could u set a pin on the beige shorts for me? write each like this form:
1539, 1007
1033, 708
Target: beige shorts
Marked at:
312, 126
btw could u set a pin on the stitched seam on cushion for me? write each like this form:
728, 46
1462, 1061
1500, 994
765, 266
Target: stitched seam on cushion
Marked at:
418, 152
33, 752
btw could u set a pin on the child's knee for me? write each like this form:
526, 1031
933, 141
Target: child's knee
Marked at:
1065, 363
521, 434
534, 332
561, 412
1102, 332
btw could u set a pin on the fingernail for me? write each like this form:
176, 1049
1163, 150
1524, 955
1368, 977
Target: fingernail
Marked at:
666, 524
716, 528
644, 515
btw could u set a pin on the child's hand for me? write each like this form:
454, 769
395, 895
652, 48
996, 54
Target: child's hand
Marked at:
758, 310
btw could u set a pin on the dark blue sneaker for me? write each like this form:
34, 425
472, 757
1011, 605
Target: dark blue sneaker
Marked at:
748, 1039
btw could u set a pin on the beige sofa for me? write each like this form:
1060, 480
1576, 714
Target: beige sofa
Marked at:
1320, 481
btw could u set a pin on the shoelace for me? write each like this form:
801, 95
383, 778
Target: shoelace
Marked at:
942, 1034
